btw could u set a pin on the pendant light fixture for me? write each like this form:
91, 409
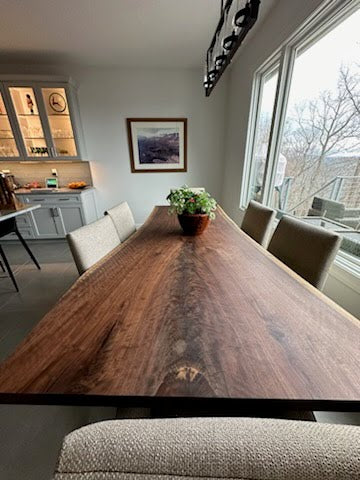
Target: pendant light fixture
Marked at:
236, 19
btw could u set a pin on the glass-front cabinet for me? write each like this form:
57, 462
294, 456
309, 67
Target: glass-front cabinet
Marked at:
39, 120
8, 148
29, 120
60, 123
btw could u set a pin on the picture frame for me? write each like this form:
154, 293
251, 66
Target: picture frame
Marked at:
157, 144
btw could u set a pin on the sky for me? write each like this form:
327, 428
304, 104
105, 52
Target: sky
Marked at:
317, 68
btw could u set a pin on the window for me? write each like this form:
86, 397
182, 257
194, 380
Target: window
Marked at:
305, 154
262, 134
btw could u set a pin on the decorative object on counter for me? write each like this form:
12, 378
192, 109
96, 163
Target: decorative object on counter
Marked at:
30, 103
157, 144
57, 102
233, 26
194, 208
51, 182
77, 185
8, 199
31, 185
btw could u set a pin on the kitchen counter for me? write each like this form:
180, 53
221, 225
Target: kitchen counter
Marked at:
51, 191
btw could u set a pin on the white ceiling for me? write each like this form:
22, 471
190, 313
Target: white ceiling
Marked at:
131, 33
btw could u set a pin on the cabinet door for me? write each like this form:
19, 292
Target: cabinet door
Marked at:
60, 121
46, 223
30, 122
72, 217
8, 147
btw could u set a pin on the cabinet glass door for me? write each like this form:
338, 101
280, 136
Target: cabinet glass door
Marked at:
31, 128
57, 109
8, 146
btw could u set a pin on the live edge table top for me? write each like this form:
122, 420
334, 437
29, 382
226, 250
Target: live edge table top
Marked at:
213, 319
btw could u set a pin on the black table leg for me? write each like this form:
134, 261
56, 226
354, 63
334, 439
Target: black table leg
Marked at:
27, 248
3, 256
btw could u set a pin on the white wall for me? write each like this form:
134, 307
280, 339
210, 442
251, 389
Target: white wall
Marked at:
108, 96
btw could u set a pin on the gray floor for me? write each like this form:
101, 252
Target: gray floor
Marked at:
30, 436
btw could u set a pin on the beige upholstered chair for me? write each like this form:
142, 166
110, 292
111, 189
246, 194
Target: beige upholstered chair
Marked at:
257, 222
91, 243
123, 220
307, 249
193, 448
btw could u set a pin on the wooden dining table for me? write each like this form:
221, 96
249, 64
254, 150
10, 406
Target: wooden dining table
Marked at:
207, 321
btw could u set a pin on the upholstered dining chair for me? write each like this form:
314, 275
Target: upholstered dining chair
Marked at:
236, 448
90, 243
307, 249
123, 220
257, 222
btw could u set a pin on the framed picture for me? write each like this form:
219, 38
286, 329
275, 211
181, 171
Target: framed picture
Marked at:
157, 144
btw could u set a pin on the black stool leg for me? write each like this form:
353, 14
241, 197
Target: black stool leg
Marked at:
2, 266
27, 248
2, 253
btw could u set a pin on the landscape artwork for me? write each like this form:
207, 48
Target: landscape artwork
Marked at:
157, 145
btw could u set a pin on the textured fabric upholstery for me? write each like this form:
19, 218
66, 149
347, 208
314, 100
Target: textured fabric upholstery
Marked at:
307, 249
123, 220
92, 242
258, 221
231, 448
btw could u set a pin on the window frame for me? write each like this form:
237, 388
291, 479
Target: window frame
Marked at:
325, 18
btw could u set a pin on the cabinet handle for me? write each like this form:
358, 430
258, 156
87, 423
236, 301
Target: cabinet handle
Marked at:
38, 200
64, 199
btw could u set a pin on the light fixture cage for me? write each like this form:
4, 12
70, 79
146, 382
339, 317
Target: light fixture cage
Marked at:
237, 17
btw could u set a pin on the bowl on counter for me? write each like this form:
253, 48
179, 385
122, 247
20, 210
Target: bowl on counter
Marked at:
77, 185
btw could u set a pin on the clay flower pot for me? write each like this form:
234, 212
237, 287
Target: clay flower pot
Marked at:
194, 224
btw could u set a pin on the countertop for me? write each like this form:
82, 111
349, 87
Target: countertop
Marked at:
5, 214
58, 191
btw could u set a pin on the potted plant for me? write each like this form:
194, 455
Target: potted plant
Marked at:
194, 209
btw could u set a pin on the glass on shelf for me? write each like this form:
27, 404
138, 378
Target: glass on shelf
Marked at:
8, 146
29, 121
57, 109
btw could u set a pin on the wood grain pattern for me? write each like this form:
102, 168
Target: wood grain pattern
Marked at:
209, 317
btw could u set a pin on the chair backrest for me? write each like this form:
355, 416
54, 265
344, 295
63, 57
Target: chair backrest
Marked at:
307, 249
123, 220
258, 221
236, 448
90, 243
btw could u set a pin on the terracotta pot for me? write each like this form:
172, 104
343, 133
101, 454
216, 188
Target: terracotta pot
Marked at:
194, 224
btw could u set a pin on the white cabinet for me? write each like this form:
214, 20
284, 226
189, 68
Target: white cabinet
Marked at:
39, 119
58, 215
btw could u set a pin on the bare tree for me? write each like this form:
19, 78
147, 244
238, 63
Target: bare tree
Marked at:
320, 127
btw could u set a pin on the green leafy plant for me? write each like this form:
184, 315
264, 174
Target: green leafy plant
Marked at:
184, 200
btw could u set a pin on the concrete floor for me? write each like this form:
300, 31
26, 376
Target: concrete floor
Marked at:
31, 436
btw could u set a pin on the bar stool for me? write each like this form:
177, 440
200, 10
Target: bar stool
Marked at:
7, 227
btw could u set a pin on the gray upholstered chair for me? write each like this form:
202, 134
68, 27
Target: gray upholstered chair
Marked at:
257, 222
307, 249
92, 242
192, 448
123, 220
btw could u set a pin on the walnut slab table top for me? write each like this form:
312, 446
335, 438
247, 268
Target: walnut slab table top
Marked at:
209, 320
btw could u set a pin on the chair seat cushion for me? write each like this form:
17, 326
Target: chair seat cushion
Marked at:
231, 448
